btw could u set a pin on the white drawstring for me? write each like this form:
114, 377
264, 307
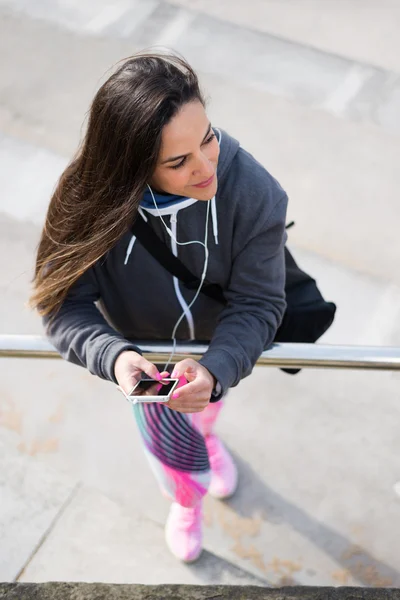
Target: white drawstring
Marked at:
141, 213
133, 238
214, 216
129, 249
214, 219
203, 275
182, 301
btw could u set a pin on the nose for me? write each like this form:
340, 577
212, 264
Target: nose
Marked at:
203, 166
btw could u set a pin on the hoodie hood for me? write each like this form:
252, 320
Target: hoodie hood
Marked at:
228, 150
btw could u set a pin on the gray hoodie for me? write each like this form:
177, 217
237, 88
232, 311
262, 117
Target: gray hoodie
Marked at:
128, 296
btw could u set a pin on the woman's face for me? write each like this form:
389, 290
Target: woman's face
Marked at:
187, 163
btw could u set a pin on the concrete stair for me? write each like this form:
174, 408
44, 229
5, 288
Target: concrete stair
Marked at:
317, 453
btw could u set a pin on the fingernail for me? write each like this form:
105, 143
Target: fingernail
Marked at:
174, 375
158, 376
175, 395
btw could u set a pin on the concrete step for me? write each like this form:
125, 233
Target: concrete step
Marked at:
97, 540
226, 47
364, 32
332, 142
32, 498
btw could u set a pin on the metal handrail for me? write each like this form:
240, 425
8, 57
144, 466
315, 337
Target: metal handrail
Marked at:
279, 355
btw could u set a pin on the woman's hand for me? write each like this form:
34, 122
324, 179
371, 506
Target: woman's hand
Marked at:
129, 367
195, 395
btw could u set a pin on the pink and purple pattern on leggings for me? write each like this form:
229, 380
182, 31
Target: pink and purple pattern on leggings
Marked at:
175, 447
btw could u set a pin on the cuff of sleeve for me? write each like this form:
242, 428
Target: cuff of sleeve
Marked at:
218, 389
217, 393
220, 364
110, 355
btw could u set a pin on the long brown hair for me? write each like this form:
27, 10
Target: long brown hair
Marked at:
98, 194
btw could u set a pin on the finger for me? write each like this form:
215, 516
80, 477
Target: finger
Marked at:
196, 397
186, 391
190, 375
164, 375
181, 367
185, 407
148, 368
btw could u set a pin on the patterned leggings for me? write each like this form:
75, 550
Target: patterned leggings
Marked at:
175, 448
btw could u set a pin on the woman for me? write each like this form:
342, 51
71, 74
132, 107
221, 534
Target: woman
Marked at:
151, 153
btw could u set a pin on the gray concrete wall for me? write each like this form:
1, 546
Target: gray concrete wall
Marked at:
100, 591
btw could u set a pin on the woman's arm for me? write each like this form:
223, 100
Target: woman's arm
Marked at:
81, 334
256, 301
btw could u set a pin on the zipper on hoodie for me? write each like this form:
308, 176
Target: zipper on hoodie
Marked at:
181, 299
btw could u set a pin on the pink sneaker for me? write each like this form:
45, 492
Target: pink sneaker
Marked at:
224, 475
183, 532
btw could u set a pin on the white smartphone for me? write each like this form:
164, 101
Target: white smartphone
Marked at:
152, 390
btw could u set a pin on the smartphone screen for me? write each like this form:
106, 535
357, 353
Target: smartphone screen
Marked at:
153, 387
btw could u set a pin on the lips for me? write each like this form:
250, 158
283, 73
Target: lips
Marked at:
206, 183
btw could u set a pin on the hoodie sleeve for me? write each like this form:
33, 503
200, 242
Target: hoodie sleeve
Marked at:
81, 334
255, 299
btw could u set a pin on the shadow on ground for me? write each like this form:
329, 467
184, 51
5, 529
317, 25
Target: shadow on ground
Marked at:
256, 499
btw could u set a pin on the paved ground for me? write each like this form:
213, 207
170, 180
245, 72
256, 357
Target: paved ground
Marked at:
317, 453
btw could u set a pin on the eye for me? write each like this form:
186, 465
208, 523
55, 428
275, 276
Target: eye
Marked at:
210, 139
179, 164
207, 141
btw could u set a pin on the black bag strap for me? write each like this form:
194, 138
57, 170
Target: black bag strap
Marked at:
307, 315
160, 251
